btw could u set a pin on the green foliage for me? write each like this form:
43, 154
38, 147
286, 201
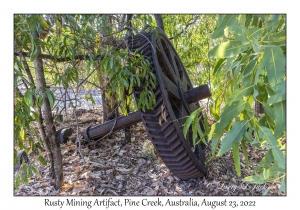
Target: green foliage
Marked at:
77, 47
252, 55
242, 57
126, 70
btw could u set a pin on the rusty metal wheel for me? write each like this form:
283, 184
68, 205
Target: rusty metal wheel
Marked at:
178, 153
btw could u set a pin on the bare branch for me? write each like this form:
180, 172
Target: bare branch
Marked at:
65, 59
190, 22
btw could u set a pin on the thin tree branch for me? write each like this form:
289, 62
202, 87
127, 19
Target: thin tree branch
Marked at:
190, 22
50, 57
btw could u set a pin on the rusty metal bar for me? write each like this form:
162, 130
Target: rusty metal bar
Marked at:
98, 131
197, 94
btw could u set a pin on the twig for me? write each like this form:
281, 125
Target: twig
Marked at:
185, 28
110, 132
77, 128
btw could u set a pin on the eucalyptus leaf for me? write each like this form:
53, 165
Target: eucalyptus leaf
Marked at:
28, 97
249, 68
282, 188
280, 118
235, 134
279, 95
42, 160
218, 65
228, 20
265, 162
189, 120
243, 143
215, 142
228, 49
254, 33
272, 22
236, 157
50, 97
268, 110
278, 39
229, 112
279, 157
266, 134
274, 61
259, 179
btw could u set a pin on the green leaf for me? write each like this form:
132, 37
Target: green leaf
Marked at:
256, 46
30, 171
228, 20
239, 93
276, 98
267, 135
279, 157
230, 112
17, 179
34, 52
125, 83
279, 95
278, 39
228, 49
260, 92
28, 97
255, 179
50, 96
111, 62
248, 137
215, 142
268, 110
36, 116
218, 65
249, 68
92, 99
235, 134
243, 143
254, 33
236, 157
239, 33
280, 118
272, 22
189, 120
265, 162
282, 188
274, 61
42, 160
36, 172
24, 174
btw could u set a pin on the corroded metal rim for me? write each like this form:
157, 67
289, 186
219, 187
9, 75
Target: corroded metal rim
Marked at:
182, 159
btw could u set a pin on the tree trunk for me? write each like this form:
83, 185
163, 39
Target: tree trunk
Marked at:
109, 104
259, 109
127, 129
56, 164
42, 132
159, 22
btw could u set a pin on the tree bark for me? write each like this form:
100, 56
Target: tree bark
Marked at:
42, 132
127, 129
56, 164
109, 104
259, 109
159, 21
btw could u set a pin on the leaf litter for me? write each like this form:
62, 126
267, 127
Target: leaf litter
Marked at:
135, 169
